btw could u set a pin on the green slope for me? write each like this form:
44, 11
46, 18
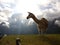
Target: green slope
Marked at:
48, 39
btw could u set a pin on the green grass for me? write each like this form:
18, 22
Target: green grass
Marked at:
47, 39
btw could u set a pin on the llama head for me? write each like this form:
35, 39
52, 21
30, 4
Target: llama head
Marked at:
30, 15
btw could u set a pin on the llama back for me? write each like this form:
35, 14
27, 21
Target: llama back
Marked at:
45, 22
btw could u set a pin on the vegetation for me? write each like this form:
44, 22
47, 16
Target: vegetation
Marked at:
46, 39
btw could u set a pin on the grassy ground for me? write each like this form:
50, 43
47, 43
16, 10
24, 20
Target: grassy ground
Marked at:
48, 39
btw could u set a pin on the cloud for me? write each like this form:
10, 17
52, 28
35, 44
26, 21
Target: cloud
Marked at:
6, 10
7, 1
14, 13
51, 9
18, 24
48, 9
51, 16
57, 22
21, 18
4, 18
53, 5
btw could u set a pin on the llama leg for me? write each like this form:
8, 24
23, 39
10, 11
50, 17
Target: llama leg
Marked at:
41, 31
44, 31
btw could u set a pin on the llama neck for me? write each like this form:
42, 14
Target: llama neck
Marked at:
35, 19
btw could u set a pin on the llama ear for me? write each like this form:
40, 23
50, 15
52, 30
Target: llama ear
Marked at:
28, 12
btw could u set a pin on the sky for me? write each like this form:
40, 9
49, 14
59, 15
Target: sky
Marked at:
14, 12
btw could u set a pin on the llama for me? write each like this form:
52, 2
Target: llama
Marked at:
18, 41
41, 24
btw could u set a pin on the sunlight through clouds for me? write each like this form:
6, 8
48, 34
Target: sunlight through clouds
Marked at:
30, 5
25, 6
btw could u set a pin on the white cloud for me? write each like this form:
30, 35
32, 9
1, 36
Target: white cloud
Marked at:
4, 18
57, 22
6, 11
5, 14
24, 6
7, 1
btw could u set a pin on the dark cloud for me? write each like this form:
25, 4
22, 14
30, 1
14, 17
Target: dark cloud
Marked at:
53, 28
48, 6
3, 29
17, 27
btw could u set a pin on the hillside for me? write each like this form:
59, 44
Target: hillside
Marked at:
48, 39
